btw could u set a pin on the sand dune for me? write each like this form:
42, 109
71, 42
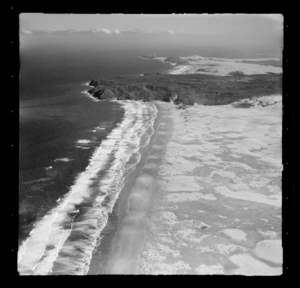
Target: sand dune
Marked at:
222, 66
222, 167
207, 195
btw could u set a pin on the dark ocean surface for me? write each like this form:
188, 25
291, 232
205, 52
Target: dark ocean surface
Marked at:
59, 125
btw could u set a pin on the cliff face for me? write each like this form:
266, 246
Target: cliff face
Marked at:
187, 89
97, 91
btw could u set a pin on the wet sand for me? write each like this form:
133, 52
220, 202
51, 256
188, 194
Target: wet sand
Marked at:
128, 225
205, 197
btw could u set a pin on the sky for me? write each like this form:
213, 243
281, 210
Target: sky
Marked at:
260, 32
176, 23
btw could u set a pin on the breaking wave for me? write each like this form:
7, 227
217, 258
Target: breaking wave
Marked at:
63, 241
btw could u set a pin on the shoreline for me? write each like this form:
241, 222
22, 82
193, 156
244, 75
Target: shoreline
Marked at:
130, 230
50, 246
167, 222
111, 234
134, 244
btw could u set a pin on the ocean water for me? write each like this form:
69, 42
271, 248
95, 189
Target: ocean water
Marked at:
60, 126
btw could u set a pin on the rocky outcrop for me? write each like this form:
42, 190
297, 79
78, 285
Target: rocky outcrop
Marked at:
94, 83
97, 92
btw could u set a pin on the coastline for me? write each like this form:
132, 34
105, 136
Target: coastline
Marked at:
82, 214
205, 198
223, 66
151, 224
58, 135
158, 226
103, 261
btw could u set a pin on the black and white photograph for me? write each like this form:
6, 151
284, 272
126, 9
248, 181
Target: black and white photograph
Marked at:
150, 144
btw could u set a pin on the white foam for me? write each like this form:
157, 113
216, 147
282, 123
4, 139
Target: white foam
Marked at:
90, 96
82, 147
63, 159
83, 141
86, 84
54, 229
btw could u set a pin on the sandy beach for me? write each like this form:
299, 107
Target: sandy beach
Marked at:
221, 66
206, 197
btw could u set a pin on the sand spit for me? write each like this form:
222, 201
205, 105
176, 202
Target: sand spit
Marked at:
217, 204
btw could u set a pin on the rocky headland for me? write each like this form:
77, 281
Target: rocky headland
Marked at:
187, 89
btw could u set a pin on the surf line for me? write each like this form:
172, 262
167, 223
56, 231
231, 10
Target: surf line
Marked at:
48, 250
86, 93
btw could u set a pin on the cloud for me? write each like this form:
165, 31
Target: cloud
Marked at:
106, 31
151, 32
102, 31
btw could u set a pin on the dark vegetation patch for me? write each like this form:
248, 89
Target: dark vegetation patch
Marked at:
202, 70
237, 73
243, 105
188, 89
